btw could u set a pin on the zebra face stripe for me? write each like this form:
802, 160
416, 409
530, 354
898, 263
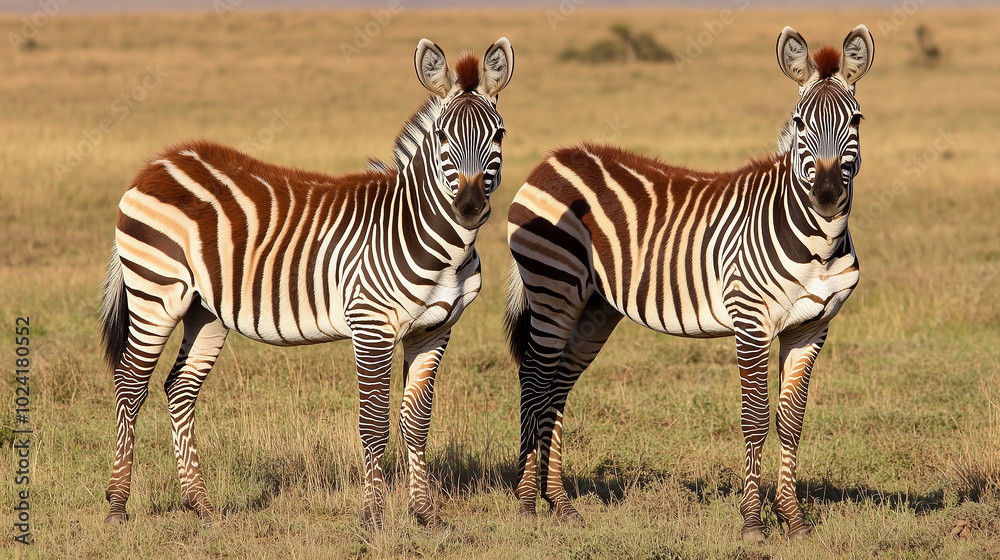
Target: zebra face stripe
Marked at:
470, 132
826, 145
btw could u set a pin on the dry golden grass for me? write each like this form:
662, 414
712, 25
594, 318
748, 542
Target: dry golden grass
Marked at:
903, 429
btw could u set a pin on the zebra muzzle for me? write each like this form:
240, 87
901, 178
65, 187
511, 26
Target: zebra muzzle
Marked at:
471, 205
828, 194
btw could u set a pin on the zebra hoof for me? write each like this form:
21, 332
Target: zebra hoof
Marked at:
428, 518
210, 518
526, 512
569, 516
800, 533
434, 523
116, 518
204, 511
753, 534
370, 518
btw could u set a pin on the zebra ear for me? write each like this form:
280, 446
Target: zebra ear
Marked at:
859, 51
498, 67
432, 68
793, 56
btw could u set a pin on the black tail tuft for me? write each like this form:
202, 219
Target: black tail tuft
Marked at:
517, 318
114, 313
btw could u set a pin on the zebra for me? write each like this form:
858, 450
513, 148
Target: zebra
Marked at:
762, 252
212, 238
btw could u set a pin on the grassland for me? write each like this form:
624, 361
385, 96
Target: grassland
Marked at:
902, 432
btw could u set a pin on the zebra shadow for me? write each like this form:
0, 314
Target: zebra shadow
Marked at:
823, 491
812, 494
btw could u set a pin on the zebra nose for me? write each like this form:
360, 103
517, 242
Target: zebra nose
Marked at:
827, 193
471, 205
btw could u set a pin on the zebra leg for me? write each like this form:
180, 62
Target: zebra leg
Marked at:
798, 353
204, 335
752, 346
373, 355
526, 491
550, 332
595, 325
420, 363
537, 377
146, 338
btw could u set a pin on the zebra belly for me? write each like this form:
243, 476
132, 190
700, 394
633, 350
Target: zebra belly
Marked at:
292, 327
696, 324
701, 317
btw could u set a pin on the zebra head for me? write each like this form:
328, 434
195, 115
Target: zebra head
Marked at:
469, 131
823, 129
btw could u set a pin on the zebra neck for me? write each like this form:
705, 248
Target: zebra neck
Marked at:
424, 190
823, 238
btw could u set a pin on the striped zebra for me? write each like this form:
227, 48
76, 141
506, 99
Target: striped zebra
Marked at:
759, 253
212, 238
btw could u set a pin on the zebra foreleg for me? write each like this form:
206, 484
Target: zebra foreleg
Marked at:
751, 355
421, 359
797, 355
373, 354
204, 335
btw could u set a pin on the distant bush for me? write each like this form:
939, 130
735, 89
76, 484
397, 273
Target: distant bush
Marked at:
928, 51
625, 47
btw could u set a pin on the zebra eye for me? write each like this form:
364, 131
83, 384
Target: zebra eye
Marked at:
800, 124
856, 120
498, 137
442, 137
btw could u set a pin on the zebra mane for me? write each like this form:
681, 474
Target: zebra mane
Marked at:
410, 136
785, 137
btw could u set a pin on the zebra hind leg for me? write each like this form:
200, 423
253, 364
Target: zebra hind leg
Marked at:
526, 490
204, 335
592, 330
550, 324
145, 340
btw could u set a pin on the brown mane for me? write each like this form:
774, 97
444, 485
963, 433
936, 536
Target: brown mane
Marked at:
245, 169
467, 72
639, 161
827, 61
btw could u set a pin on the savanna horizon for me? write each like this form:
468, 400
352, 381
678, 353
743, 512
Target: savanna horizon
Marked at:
900, 434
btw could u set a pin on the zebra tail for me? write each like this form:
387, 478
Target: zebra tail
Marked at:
517, 320
114, 312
